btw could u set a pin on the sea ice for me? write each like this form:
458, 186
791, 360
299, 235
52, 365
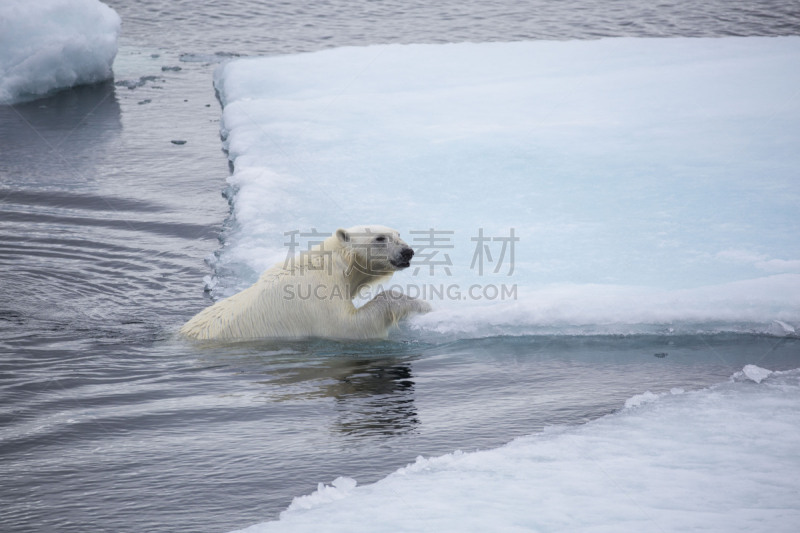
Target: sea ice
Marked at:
640, 185
47, 45
339, 489
721, 459
753, 373
641, 399
651, 184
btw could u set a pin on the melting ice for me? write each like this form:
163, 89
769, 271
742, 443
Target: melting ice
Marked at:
644, 184
47, 45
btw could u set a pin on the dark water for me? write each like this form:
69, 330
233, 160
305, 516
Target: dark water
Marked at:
108, 423
289, 27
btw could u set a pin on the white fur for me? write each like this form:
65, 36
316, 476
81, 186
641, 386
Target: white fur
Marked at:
312, 295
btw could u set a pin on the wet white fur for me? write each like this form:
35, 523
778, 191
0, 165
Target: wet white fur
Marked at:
312, 295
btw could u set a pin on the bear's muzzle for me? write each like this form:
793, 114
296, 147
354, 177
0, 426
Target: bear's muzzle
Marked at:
403, 260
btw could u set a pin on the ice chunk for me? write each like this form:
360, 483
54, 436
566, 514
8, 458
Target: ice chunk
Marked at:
605, 157
781, 328
47, 45
753, 373
640, 399
340, 488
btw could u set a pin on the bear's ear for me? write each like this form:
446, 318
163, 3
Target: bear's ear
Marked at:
342, 235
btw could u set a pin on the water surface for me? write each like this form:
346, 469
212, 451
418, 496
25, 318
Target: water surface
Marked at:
110, 424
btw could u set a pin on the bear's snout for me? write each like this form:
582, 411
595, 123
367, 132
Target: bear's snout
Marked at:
403, 258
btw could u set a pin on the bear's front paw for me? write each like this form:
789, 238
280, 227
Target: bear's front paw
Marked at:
419, 306
403, 304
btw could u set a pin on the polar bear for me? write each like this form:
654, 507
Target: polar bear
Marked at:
311, 294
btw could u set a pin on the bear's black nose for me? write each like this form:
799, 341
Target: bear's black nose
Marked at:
407, 254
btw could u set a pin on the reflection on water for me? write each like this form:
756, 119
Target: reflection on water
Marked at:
378, 393
371, 384
389, 406
55, 141
103, 225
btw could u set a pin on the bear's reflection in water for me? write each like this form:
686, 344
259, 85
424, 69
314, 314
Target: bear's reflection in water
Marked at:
371, 383
388, 390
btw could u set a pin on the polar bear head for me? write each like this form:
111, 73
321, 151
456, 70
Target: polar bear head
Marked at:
375, 250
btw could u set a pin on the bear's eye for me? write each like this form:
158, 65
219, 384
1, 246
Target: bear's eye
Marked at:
380, 238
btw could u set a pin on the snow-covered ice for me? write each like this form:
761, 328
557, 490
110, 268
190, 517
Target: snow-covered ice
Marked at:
651, 183
47, 45
722, 459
